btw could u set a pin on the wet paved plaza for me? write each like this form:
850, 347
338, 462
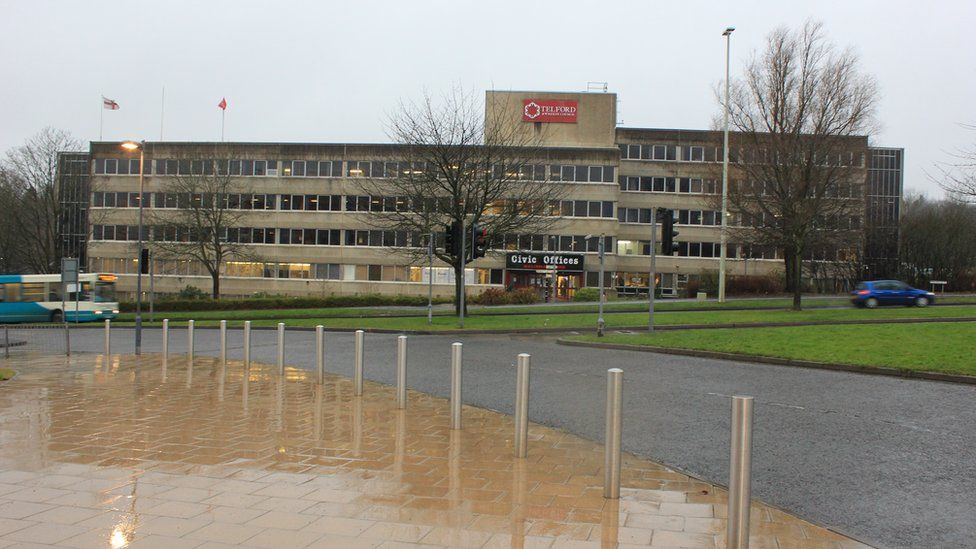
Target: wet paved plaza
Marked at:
124, 453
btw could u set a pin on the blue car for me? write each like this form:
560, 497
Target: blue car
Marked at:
889, 292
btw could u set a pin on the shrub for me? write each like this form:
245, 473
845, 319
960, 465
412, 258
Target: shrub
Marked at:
192, 292
493, 296
587, 294
366, 300
752, 284
525, 296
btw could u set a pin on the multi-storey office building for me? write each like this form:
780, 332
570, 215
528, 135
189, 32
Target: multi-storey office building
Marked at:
305, 211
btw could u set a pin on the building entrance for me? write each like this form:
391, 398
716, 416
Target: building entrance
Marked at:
555, 276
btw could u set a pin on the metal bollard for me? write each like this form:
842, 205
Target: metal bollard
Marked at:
358, 362
165, 341
6, 342
401, 372
108, 337
611, 462
247, 344
281, 348
319, 354
740, 473
189, 343
522, 406
223, 342
456, 385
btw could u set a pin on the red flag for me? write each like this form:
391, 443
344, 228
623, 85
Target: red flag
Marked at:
109, 104
223, 104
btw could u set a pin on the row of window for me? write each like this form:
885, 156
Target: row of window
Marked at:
334, 237
685, 217
339, 168
315, 202
316, 271
691, 185
693, 153
685, 249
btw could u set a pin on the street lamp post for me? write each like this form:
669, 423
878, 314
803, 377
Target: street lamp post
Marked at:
725, 174
430, 278
141, 147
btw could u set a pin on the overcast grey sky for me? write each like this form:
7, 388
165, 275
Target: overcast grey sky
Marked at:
329, 71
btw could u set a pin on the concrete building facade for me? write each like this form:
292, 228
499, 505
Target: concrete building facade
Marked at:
304, 211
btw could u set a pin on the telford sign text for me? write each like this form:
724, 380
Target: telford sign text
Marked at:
546, 110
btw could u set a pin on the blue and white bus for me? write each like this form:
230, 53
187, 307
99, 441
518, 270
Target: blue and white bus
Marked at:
38, 298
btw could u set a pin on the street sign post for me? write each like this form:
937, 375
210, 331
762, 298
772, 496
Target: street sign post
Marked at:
69, 275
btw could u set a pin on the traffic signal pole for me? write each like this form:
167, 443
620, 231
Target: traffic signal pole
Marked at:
462, 257
651, 284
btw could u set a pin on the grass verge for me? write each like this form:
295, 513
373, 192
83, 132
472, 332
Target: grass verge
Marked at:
508, 310
588, 320
6, 373
930, 347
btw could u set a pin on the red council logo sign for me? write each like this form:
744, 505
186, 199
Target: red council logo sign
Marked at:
545, 110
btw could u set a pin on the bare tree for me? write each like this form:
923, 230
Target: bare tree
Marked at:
455, 164
799, 163
28, 181
937, 242
197, 229
958, 178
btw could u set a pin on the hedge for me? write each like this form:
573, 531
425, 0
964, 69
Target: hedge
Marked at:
368, 300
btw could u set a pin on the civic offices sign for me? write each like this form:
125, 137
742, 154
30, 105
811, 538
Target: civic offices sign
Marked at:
547, 110
531, 261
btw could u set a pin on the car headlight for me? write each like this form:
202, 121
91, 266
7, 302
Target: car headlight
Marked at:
98, 312
115, 311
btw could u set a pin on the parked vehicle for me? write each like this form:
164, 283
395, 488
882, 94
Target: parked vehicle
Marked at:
889, 292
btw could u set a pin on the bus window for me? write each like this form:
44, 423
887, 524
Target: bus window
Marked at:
104, 292
12, 292
32, 291
54, 291
3, 296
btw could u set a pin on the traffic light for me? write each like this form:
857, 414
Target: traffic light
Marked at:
452, 238
144, 261
479, 241
668, 245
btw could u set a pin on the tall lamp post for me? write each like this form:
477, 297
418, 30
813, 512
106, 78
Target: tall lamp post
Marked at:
725, 174
600, 323
141, 147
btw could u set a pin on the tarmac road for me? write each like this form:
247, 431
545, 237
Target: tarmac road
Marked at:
889, 461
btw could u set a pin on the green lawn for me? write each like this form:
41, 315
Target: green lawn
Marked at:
585, 320
611, 308
931, 347
6, 373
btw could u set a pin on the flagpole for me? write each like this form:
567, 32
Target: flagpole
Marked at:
223, 113
101, 117
162, 111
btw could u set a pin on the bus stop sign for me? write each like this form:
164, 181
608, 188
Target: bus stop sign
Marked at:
69, 270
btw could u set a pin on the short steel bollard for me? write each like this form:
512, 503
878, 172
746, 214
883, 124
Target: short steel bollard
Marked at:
611, 462
108, 337
401, 372
281, 348
740, 473
165, 341
189, 343
223, 342
456, 385
247, 344
358, 362
522, 406
320, 354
